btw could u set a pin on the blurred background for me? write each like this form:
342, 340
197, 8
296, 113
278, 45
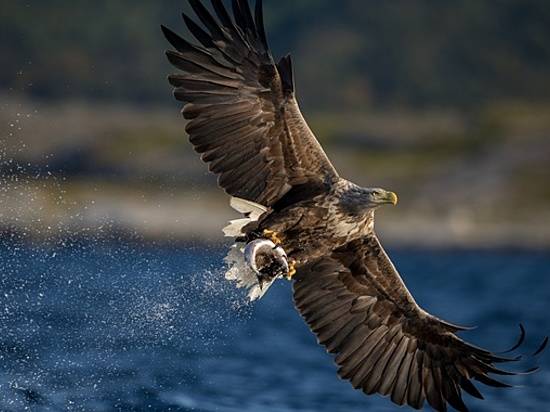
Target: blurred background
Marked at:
447, 103
110, 226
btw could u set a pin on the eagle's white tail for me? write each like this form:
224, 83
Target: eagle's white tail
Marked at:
251, 210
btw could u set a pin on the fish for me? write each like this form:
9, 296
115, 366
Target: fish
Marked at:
256, 265
268, 260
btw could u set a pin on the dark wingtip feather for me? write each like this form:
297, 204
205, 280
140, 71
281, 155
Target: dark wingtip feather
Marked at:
238, 15
497, 371
529, 371
542, 347
247, 15
174, 39
491, 382
500, 359
203, 37
206, 18
221, 12
172, 79
519, 342
457, 328
470, 388
173, 57
286, 72
259, 17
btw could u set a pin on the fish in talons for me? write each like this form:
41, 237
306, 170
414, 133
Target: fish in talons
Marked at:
268, 260
255, 262
255, 266
276, 239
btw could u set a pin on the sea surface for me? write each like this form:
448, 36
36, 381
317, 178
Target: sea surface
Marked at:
132, 326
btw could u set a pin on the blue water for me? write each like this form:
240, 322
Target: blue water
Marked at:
129, 326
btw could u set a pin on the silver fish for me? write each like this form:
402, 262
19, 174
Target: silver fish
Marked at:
267, 260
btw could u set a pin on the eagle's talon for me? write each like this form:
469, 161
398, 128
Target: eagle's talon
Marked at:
291, 269
273, 236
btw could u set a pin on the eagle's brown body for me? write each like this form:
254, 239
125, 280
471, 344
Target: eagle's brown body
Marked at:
243, 118
326, 220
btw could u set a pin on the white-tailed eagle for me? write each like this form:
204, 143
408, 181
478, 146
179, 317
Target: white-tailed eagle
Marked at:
243, 118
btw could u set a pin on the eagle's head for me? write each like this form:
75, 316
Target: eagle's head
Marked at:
356, 200
379, 197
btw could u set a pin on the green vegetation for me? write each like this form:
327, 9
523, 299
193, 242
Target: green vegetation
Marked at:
349, 54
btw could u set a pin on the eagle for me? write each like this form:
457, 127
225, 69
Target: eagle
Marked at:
244, 120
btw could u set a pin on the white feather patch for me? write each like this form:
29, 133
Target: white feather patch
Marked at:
235, 227
243, 206
252, 211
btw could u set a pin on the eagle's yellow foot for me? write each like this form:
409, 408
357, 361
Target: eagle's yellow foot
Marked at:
291, 269
273, 236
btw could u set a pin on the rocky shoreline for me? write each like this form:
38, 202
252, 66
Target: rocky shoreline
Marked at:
42, 214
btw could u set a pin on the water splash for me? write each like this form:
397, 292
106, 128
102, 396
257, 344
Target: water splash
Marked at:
84, 304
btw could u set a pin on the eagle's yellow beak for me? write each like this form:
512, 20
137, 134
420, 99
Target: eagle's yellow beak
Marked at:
384, 197
390, 198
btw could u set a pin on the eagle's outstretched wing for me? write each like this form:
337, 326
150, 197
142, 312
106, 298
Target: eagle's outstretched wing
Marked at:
243, 116
361, 311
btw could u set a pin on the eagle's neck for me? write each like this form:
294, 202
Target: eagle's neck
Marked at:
352, 218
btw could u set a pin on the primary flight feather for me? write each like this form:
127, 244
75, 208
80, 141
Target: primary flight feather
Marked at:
243, 118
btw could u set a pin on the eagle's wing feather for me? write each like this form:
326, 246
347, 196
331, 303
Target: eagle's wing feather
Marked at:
361, 311
243, 116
